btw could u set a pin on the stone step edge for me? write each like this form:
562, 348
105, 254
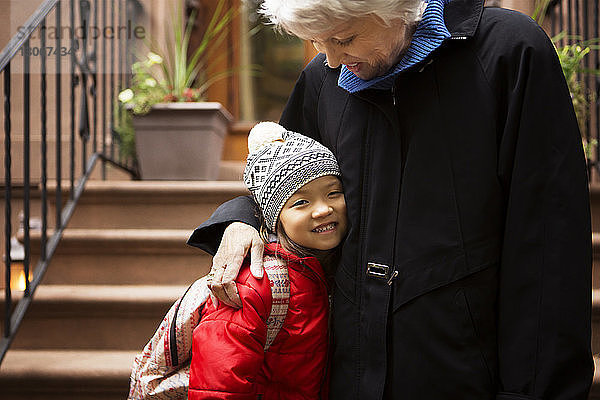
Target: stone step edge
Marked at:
119, 241
115, 301
90, 370
152, 191
90, 367
94, 238
68, 299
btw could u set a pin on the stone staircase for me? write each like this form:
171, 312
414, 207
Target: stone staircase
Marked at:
120, 265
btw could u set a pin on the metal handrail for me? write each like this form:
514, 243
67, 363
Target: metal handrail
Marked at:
18, 40
84, 77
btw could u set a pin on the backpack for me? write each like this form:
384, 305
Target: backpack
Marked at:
162, 369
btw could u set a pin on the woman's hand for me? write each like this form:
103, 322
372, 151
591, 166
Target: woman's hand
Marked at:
237, 239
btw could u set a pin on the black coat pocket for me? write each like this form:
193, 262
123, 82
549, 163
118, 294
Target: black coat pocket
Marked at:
448, 333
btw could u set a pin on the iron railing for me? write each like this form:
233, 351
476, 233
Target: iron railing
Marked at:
89, 40
579, 20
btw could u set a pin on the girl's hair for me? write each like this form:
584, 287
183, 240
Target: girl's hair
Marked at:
306, 17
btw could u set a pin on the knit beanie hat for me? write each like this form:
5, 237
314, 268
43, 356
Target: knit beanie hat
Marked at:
281, 162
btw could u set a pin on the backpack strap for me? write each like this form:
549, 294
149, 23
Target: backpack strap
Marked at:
277, 271
161, 371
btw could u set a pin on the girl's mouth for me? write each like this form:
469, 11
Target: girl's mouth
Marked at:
325, 227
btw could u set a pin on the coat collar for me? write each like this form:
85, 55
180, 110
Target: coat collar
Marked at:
462, 17
442, 20
429, 35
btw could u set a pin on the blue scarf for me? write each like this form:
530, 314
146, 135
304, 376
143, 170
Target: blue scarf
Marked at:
429, 35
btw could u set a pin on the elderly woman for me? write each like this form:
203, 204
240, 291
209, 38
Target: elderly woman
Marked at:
466, 270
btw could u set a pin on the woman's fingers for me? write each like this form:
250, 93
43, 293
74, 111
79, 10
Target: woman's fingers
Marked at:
231, 292
256, 258
209, 281
228, 281
216, 283
227, 262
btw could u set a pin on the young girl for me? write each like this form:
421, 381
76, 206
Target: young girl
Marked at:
266, 350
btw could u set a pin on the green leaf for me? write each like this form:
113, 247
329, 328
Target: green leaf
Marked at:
178, 72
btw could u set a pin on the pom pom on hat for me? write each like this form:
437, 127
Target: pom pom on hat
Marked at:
264, 133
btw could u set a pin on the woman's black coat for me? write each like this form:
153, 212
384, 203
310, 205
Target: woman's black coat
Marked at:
469, 180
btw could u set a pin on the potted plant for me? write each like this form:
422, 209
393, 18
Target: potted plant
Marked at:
177, 135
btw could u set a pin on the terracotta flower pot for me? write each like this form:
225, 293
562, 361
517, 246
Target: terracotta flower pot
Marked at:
181, 141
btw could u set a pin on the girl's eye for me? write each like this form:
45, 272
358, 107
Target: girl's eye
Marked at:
299, 203
335, 193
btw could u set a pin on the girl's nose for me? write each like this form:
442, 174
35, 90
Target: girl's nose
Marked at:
322, 210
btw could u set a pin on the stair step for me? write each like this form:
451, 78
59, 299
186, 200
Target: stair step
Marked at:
123, 256
94, 316
156, 204
88, 375
65, 374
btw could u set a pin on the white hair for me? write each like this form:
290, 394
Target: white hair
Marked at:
303, 17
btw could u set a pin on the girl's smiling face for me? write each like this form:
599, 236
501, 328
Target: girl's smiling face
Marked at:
315, 215
365, 45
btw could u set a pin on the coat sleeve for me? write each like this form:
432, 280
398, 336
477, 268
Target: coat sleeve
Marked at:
228, 345
208, 235
544, 302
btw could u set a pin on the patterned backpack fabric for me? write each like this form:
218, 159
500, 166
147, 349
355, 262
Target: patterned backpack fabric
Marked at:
162, 369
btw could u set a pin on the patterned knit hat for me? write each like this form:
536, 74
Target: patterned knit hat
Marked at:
281, 162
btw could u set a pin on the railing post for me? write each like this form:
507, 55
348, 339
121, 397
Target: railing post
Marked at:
569, 16
95, 99
84, 73
44, 119
128, 53
73, 84
119, 65
587, 64
7, 205
104, 113
112, 81
58, 79
561, 18
597, 87
26, 155
576, 15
